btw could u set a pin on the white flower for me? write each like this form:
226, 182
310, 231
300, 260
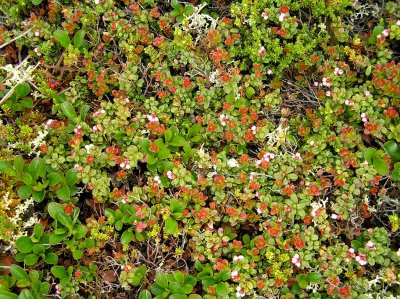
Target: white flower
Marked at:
398, 23
297, 156
398, 251
269, 72
312, 142
370, 245
170, 175
282, 16
386, 32
328, 93
254, 129
367, 93
157, 179
351, 250
126, 100
233, 163
99, 113
37, 33
326, 81
259, 211
96, 1
88, 148
334, 216
265, 15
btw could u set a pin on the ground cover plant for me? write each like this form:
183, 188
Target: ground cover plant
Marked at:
202, 149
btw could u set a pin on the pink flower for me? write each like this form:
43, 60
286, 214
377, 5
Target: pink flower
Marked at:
282, 16
240, 292
262, 51
386, 32
370, 245
362, 259
265, 15
238, 258
157, 179
99, 113
224, 119
140, 226
170, 175
296, 260
235, 275
152, 117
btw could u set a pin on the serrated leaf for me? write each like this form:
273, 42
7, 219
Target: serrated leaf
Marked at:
62, 37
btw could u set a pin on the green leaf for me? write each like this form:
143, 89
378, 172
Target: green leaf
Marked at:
175, 4
171, 226
393, 150
77, 254
24, 244
179, 277
396, 172
62, 37
38, 167
38, 196
177, 206
301, 279
7, 295
53, 178
18, 272
381, 166
38, 230
24, 191
36, 2
25, 294
31, 259
27, 178
178, 141
250, 92
71, 176
168, 135
145, 294
221, 289
68, 110
314, 277
19, 164
59, 272
38, 249
175, 287
162, 280
194, 296
55, 239
5, 167
152, 159
369, 152
377, 30
208, 281
63, 193
26, 103
22, 90
188, 10
54, 208
126, 237
194, 130
51, 258
79, 38
164, 153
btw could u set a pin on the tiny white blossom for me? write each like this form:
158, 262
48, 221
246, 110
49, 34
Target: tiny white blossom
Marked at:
265, 15
96, 1
386, 32
88, 147
262, 51
334, 216
170, 175
157, 179
238, 258
367, 93
282, 16
240, 292
269, 72
233, 163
